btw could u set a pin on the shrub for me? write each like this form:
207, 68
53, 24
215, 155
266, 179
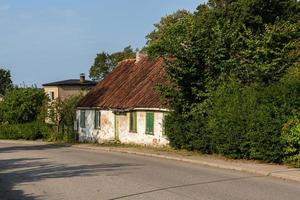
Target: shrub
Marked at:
188, 131
291, 139
238, 121
27, 131
61, 115
62, 136
21, 105
246, 122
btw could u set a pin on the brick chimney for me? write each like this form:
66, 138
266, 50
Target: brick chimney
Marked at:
82, 78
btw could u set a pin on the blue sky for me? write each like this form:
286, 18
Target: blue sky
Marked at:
48, 40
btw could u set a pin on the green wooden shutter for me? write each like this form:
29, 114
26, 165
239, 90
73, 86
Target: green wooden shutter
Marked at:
133, 122
164, 124
130, 122
97, 119
82, 119
150, 123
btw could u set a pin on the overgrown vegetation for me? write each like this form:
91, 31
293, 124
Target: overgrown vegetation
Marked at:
62, 117
21, 105
27, 131
20, 111
235, 69
5, 81
23, 111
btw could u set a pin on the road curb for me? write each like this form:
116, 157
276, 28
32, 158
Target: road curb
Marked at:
274, 174
282, 174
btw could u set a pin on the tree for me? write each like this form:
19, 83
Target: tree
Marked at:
217, 56
212, 43
164, 24
21, 105
62, 114
105, 62
101, 67
5, 81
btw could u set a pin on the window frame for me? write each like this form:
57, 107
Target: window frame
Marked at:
97, 122
163, 125
147, 132
133, 122
51, 95
82, 119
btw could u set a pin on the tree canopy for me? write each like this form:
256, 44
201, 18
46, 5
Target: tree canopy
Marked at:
105, 62
21, 105
5, 81
228, 59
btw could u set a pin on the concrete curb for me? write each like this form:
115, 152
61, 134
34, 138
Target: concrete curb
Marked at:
278, 171
276, 174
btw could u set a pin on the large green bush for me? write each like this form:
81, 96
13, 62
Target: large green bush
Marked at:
232, 68
62, 115
188, 131
240, 121
291, 139
246, 122
27, 131
21, 105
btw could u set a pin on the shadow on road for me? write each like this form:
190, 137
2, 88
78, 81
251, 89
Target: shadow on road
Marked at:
12, 149
24, 170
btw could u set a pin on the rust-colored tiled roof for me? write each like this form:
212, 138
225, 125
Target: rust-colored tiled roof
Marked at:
129, 85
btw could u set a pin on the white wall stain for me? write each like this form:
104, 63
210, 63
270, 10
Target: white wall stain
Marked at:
107, 131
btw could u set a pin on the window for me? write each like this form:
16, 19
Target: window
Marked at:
51, 95
133, 122
97, 119
163, 126
82, 118
150, 123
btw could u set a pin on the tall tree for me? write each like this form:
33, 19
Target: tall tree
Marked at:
165, 22
5, 81
252, 43
212, 43
102, 66
105, 62
21, 105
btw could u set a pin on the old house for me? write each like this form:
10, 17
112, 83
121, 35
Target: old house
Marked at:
66, 88
125, 106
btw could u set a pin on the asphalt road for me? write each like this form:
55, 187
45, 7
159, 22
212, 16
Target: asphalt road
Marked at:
29, 172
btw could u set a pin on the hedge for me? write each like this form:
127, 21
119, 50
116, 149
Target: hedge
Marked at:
26, 131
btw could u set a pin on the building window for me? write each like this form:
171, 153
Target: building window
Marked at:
163, 126
51, 95
133, 122
82, 118
150, 123
97, 119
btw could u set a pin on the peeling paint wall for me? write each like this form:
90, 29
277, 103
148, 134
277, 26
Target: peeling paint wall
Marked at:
141, 137
108, 125
89, 133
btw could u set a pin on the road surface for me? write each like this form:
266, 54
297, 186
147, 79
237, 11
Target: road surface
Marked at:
31, 172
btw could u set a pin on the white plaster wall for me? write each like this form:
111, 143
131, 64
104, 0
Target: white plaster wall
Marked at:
141, 137
107, 132
89, 133
85, 134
